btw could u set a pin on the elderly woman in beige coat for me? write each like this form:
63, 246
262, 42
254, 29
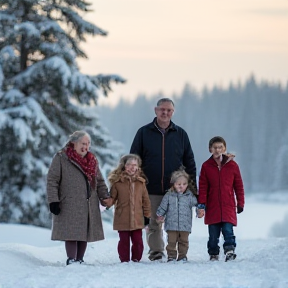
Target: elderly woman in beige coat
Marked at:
75, 187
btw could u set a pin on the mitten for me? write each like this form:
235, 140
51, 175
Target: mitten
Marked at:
146, 221
55, 208
239, 209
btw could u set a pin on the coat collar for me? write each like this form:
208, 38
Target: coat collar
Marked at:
225, 159
64, 155
125, 177
186, 193
153, 125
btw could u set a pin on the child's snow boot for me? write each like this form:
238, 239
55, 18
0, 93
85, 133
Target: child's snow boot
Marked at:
80, 261
230, 255
70, 261
214, 257
183, 260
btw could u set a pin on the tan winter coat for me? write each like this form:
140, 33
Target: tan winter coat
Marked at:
132, 203
79, 218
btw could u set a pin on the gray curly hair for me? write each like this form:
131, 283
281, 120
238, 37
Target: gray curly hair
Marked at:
77, 135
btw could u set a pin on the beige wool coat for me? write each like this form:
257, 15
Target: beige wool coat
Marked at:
132, 203
79, 218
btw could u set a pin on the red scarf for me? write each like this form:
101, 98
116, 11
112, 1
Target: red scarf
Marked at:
88, 163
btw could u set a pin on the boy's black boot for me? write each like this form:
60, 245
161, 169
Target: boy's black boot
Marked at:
230, 255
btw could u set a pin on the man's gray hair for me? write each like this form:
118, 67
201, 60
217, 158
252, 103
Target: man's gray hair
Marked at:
77, 135
165, 100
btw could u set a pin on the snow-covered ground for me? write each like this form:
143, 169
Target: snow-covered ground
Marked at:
29, 259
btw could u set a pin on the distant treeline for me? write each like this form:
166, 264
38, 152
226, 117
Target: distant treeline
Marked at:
252, 117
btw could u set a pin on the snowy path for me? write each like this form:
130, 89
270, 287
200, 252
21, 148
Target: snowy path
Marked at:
260, 264
29, 259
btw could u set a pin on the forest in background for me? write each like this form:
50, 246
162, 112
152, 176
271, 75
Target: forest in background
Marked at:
252, 117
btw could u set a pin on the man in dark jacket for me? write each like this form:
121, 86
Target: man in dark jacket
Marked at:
163, 147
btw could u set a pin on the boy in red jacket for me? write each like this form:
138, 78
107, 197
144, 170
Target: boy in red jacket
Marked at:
220, 181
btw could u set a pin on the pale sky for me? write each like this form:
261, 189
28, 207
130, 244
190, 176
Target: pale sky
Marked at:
159, 45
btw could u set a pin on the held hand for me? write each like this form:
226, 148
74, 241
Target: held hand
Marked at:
239, 209
160, 219
107, 202
200, 213
55, 208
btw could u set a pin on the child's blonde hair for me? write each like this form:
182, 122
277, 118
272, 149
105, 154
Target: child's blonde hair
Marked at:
115, 174
176, 175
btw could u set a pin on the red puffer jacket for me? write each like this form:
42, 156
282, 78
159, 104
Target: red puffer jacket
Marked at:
218, 188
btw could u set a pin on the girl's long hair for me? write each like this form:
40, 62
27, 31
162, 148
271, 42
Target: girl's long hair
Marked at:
116, 174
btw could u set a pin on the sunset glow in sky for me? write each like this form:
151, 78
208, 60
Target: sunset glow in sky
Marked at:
159, 45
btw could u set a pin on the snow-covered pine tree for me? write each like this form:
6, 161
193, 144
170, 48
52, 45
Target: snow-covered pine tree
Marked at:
44, 98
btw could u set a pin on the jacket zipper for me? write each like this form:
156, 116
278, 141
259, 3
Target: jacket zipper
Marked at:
219, 194
163, 161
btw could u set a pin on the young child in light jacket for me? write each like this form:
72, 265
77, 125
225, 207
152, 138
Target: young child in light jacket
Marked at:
132, 206
176, 211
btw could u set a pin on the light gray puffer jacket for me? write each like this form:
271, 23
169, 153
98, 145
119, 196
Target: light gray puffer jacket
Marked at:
177, 209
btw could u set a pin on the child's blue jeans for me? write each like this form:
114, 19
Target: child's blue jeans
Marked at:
214, 234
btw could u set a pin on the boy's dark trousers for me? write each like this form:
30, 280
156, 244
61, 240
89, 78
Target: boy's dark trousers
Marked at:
124, 245
214, 234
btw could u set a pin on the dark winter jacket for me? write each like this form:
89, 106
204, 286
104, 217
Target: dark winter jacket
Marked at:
218, 188
177, 209
162, 154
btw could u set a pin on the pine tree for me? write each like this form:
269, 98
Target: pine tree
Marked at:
43, 98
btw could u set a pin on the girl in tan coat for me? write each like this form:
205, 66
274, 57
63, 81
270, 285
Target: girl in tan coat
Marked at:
132, 206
